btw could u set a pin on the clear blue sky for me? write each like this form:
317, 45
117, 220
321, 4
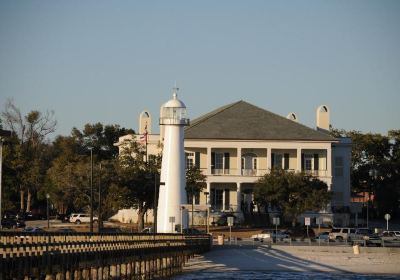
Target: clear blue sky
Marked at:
106, 61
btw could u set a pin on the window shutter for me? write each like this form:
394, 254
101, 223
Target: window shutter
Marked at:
286, 161
316, 162
212, 160
272, 160
197, 159
302, 161
226, 161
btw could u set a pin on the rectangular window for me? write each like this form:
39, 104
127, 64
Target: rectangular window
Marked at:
226, 163
286, 161
197, 159
221, 163
196, 199
189, 160
216, 199
278, 161
227, 199
272, 160
308, 159
316, 162
254, 163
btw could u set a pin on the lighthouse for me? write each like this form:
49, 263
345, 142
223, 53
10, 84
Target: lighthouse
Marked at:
172, 192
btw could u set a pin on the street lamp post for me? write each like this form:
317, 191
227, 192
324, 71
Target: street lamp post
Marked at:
373, 173
91, 189
99, 221
207, 216
47, 209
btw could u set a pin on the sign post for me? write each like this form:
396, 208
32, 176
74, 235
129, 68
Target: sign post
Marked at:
276, 221
387, 218
307, 222
230, 224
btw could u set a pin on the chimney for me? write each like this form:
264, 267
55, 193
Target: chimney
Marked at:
293, 117
144, 122
323, 118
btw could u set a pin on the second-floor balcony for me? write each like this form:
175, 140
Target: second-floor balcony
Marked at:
242, 172
257, 172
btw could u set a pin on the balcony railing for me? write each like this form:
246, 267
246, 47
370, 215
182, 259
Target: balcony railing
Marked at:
215, 171
317, 173
257, 172
254, 172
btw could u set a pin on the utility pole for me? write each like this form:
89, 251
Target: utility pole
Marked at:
91, 189
99, 221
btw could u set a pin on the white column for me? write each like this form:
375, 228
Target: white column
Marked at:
209, 193
329, 162
208, 161
239, 197
223, 199
298, 167
239, 161
269, 159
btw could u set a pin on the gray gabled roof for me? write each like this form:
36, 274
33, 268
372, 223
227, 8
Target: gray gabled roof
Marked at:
244, 121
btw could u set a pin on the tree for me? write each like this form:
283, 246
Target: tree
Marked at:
29, 134
292, 193
195, 183
137, 176
375, 168
101, 138
69, 176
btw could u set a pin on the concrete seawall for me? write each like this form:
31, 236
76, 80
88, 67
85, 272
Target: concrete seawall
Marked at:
333, 259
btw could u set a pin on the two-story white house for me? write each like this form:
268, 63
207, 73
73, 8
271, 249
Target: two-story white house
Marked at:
236, 144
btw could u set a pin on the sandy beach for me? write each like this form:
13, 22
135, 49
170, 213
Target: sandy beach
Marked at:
298, 259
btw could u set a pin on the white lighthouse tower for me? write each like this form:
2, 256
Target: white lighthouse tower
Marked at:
172, 193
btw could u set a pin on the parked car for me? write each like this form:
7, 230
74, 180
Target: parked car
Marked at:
340, 234
12, 223
364, 236
110, 230
280, 235
323, 236
264, 235
192, 231
392, 232
33, 229
223, 220
78, 218
390, 235
66, 230
29, 216
9, 214
147, 230
271, 234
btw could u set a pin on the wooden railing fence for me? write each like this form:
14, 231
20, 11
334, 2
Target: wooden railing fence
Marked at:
96, 256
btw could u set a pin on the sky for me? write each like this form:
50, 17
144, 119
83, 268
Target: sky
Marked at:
107, 61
